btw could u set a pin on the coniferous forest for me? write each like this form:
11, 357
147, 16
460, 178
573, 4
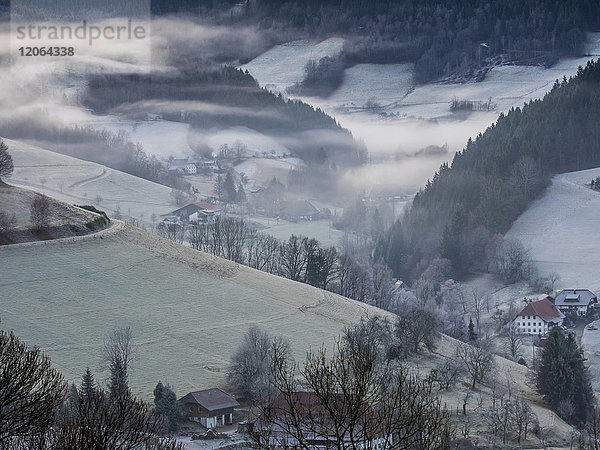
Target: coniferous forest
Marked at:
495, 177
441, 37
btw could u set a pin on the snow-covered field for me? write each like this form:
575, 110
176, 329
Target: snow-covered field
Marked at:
562, 230
321, 230
422, 113
187, 310
162, 138
262, 170
76, 181
283, 65
257, 143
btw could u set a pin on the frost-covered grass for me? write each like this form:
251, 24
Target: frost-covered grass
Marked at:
76, 181
263, 170
283, 65
188, 310
256, 143
321, 230
162, 138
561, 229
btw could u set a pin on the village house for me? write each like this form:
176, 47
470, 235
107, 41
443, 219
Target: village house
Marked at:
295, 210
199, 212
538, 317
210, 407
314, 420
190, 169
576, 301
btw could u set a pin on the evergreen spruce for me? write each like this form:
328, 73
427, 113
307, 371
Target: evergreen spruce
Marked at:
563, 379
165, 402
88, 385
229, 192
472, 334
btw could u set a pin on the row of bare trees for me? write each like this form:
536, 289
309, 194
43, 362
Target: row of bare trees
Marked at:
298, 258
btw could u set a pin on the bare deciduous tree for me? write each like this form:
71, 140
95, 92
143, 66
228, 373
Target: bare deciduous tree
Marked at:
118, 353
417, 327
30, 392
352, 399
171, 231
103, 421
249, 370
6, 161
447, 373
477, 359
513, 341
40, 211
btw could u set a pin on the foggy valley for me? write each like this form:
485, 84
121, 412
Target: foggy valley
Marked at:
332, 224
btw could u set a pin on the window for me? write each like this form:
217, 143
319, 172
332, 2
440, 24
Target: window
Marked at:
529, 330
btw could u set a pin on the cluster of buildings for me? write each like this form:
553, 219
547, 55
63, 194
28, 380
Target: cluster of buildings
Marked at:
200, 213
188, 166
540, 316
214, 407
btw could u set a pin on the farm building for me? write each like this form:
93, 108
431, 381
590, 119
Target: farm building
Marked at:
210, 407
578, 301
295, 210
190, 169
538, 317
186, 213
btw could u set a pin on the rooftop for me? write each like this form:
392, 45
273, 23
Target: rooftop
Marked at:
210, 399
544, 309
575, 297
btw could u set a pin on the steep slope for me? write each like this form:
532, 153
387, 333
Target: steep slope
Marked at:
77, 181
188, 310
560, 229
63, 220
493, 180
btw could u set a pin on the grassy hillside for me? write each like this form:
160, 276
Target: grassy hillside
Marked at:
187, 310
63, 220
81, 182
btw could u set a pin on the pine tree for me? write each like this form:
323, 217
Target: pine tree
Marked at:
229, 191
165, 402
88, 385
118, 382
159, 391
472, 334
563, 379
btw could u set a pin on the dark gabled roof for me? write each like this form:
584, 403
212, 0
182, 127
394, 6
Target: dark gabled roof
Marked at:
298, 208
210, 399
194, 207
575, 297
203, 206
544, 309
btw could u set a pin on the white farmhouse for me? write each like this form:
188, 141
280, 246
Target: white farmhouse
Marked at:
576, 301
537, 318
191, 169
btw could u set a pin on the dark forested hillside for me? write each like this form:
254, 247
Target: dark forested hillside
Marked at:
493, 180
221, 97
441, 36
